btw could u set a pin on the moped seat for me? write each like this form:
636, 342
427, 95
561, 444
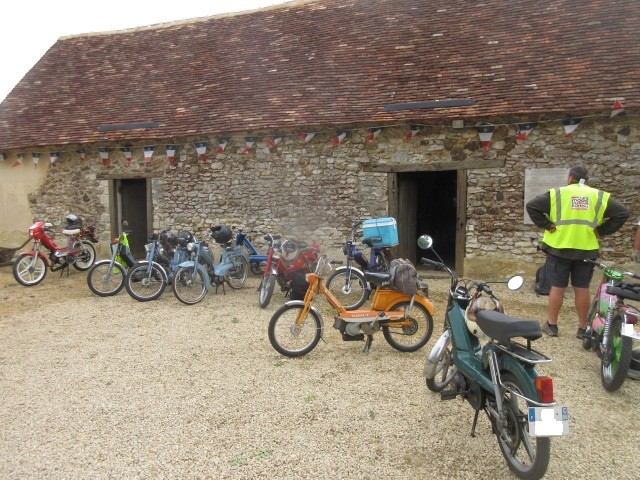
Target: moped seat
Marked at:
71, 231
376, 277
501, 327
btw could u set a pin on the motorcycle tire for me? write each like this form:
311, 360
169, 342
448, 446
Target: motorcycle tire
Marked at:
414, 337
236, 277
106, 279
445, 371
526, 456
189, 285
614, 374
145, 282
265, 292
350, 288
85, 260
27, 274
291, 340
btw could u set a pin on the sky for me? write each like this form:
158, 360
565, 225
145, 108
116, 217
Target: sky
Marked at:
30, 28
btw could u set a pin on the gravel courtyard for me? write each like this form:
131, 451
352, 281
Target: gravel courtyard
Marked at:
110, 388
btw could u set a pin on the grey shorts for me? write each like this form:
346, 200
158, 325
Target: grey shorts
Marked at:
560, 269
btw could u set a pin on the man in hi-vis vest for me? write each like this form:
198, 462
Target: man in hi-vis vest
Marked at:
573, 217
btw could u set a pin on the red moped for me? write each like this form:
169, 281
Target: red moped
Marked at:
31, 266
284, 260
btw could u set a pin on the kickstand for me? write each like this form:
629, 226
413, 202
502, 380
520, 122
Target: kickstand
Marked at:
66, 267
223, 290
475, 422
367, 344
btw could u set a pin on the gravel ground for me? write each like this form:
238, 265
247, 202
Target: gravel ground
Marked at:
112, 388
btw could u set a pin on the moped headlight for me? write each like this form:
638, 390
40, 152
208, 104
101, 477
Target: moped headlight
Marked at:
147, 247
191, 247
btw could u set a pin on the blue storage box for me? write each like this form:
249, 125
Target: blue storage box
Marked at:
384, 228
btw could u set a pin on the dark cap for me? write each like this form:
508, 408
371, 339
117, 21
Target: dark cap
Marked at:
578, 172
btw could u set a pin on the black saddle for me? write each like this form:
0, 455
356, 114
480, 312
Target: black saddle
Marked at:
501, 327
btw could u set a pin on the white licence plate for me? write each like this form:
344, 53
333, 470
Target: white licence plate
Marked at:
548, 421
629, 331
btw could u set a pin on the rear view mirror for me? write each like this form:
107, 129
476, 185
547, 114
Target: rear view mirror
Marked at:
425, 242
515, 282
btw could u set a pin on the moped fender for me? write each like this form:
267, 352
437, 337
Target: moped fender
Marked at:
205, 274
524, 374
432, 360
311, 307
44, 258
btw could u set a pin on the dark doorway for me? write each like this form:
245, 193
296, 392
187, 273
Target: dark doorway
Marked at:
427, 204
132, 207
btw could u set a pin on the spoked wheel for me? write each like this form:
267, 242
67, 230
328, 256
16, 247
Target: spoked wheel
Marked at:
85, 259
255, 267
106, 279
236, 277
266, 290
616, 357
145, 281
349, 287
527, 457
29, 270
445, 371
412, 337
293, 340
189, 285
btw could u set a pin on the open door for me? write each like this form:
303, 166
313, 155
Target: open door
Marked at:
131, 203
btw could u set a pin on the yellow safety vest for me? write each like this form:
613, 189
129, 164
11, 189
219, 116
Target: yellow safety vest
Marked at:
576, 210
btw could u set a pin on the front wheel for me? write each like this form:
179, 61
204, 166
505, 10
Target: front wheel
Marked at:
526, 456
616, 357
291, 339
415, 334
445, 371
189, 285
29, 270
86, 258
349, 287
266, 290
145, 281
105, 278
237, 275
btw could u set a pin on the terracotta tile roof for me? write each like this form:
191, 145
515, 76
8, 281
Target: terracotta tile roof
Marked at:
330, 62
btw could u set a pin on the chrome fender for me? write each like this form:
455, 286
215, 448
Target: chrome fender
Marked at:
311, 307
205, 274
431, 364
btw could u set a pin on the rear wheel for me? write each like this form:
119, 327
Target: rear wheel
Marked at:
29, 270
236, 277
85, 259
293, 340
189, 285
106, 279
527, 456
266, 290
411, 337
349, 287
145, 281
255, 268
616, 357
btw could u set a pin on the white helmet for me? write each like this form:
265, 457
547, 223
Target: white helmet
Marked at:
289, 250
475, 305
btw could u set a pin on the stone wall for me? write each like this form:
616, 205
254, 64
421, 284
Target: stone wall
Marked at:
315, 190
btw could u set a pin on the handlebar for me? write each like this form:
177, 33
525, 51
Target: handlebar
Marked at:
611, 270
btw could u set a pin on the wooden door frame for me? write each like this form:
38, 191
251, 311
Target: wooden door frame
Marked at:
113, 213
461, 193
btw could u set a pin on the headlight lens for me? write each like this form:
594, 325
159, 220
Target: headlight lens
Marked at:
147, 247
191, 247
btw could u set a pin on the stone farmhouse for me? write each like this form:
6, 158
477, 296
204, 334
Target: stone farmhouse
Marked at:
305, 117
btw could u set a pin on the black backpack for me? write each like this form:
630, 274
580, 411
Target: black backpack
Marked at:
543, 286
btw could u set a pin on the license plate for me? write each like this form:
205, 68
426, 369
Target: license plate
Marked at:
629, 331
548, 421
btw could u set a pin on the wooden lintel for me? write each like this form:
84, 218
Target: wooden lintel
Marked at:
434, 167
127, 176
